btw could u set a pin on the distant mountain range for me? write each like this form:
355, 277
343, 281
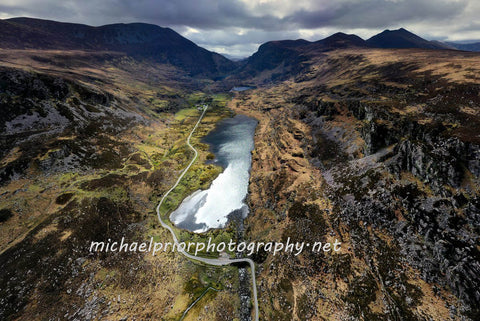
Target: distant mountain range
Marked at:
164, 45
465, 46
289, 54
136, 39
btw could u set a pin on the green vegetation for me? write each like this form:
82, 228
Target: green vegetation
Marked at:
185, 113
102, 203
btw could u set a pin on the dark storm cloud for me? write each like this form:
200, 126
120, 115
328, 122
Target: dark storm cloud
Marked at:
231, 23
204, 14
377, 13
212, 14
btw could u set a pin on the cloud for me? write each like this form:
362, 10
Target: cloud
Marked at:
238, 24
377, 13
238, 42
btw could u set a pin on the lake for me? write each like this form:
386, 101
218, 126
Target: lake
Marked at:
231, 142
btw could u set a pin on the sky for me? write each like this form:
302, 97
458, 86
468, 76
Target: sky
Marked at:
238, 27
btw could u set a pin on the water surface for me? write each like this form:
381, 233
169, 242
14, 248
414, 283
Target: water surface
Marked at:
231, 142
240, 88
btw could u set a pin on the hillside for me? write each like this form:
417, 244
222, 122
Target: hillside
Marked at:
378, 148
89, 139
139, 40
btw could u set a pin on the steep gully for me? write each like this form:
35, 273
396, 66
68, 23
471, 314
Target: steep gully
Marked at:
217, 262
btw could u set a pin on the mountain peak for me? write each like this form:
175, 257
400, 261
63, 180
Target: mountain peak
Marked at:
342, 40
401, 38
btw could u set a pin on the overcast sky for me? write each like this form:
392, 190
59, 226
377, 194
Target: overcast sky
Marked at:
238, 27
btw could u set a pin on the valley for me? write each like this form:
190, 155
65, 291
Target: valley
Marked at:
359, 141
108, 170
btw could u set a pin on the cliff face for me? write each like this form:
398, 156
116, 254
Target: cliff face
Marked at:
385, 157
421, 188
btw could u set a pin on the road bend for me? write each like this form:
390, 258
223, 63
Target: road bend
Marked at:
210, 261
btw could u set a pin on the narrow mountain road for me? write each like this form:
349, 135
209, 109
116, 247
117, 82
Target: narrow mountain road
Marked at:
195, 302
219, 261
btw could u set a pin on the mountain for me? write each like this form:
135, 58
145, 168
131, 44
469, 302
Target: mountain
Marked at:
289, 54
342, 40
465, 46
287, 57
139, 40
273, 53
402, 38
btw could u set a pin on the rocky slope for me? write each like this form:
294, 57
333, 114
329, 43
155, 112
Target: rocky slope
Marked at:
37, 109
380, 150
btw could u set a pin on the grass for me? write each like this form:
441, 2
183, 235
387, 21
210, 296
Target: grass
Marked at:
185, 113
64, 211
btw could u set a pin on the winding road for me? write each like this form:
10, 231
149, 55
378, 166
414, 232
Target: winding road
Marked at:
219, 261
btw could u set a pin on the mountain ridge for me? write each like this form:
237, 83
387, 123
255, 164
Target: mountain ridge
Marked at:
283, 57
140, 40
164, 45
472, 46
